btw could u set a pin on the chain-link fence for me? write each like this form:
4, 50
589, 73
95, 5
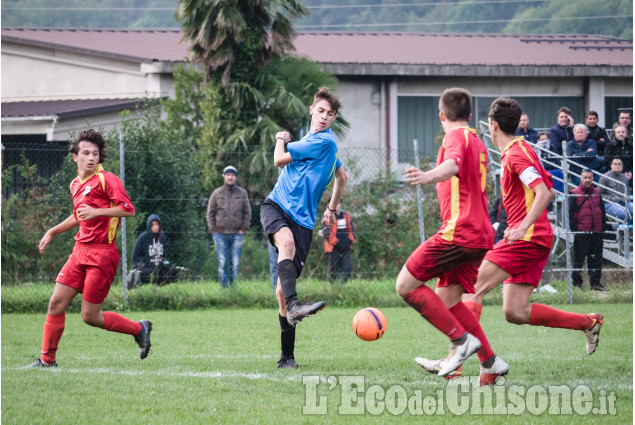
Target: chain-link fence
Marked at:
383, 209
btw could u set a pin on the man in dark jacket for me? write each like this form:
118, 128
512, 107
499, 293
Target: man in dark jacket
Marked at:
587, 218
619, 147
524, 130
228, 219
149, 256
596, 132
562, 131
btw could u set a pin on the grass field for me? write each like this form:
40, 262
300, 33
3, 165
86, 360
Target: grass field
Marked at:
219, 366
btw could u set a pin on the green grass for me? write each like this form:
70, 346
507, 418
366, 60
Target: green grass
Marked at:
183, 296
218, 366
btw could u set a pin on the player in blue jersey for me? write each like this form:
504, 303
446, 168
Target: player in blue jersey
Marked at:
288, 214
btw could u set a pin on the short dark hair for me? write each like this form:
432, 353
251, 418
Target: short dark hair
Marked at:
506, 112
565, 110
456, 104
595, 114
324, 93
543, 133
91, 136
624, 112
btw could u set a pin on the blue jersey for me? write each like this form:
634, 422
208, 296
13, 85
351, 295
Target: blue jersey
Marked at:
303, 181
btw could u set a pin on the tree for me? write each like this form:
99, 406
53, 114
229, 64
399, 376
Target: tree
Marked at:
219, 30
559, 17
253, 87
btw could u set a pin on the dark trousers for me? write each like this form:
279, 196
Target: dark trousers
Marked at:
589, 246
340, 265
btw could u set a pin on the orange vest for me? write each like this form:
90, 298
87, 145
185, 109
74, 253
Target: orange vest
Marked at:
331, 241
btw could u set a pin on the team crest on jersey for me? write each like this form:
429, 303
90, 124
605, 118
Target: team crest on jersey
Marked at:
87, 190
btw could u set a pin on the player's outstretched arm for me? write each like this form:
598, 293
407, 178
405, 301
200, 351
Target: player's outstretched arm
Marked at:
338, 189
280, 157
542, 198
440, 173
69, 223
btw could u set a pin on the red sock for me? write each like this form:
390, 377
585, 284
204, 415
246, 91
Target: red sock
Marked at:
543, 315
431, 307
53, 329
114, 322
469, 322
475, 308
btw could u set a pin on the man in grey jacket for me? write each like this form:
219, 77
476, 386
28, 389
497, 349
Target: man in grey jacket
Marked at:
228, 219
622, 201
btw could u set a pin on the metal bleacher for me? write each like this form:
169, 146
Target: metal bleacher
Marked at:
618, 243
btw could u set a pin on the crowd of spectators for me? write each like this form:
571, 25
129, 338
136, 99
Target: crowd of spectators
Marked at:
600, 164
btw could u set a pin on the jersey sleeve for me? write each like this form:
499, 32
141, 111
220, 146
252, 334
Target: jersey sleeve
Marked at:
303, 150
117, 194
523, 165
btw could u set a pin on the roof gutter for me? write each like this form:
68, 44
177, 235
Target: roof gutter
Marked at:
50, 130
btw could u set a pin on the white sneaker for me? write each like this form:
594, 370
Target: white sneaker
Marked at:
548, 289
592, 334
434, 366
490, 375
459, 353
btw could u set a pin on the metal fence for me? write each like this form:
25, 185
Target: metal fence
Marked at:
384, 210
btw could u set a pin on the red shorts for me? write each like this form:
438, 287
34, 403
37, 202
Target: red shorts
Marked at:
452, 264
523, 260
90, 269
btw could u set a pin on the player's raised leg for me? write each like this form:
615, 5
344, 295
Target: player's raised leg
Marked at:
518, 310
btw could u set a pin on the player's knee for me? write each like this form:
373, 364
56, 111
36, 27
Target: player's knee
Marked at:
512, 316
56, 305
90, 319
402, 288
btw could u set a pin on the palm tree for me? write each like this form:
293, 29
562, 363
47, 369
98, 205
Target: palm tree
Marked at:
253, 86
218, 30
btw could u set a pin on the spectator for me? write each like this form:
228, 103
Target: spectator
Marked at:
498, 218
587, 214
596, 132
273, 264
620, 147
149, 256
524, 130
624, 119
583, 151
338, 243
618, 182
228, 219
562, 131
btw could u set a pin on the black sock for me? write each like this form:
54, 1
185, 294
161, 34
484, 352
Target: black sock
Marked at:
489, 363
461, 339
287, 275
287, 337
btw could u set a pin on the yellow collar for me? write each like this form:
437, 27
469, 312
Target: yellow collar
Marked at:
98, 169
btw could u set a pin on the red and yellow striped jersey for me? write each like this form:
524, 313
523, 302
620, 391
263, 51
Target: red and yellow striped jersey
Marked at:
521, 172
101, 190
463, 198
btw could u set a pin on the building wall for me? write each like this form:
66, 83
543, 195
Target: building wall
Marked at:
47, 74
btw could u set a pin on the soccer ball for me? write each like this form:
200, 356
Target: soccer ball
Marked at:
369, 324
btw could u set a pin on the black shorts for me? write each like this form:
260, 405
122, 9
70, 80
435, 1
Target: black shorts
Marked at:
273, 218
